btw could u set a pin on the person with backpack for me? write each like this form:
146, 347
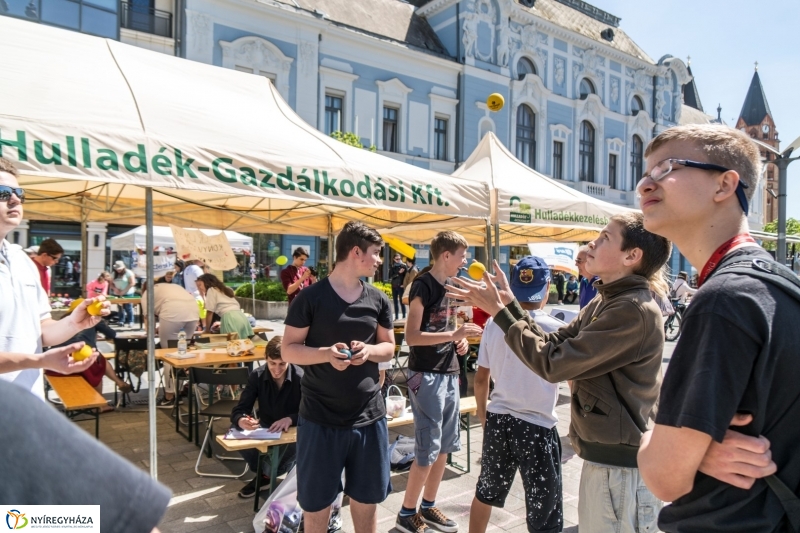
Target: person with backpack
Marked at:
734, 372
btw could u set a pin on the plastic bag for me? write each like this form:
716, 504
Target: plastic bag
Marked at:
401, 453
284, 498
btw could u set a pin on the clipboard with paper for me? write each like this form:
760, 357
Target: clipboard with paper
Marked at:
252, 434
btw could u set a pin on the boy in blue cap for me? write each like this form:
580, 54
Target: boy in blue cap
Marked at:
520, 425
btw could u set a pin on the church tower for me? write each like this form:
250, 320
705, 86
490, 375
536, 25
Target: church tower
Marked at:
756, 120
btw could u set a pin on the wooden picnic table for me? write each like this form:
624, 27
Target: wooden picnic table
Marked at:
467, 406
78, 397
203, 357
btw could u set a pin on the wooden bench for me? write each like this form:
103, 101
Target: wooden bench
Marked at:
79, 398
467, 406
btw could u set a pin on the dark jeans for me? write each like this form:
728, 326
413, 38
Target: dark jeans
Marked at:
288, 459
397, 297
126, 314
560, 291
571, 297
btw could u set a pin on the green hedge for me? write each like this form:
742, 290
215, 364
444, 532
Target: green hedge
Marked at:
270, 291
385, 287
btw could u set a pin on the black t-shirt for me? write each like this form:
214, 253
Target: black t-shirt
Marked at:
333, 398
439, 314
738, 352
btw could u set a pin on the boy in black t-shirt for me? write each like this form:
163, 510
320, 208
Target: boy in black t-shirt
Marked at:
434, 337
342, 422
737, 354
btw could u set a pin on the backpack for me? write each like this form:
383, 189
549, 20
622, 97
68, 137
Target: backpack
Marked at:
783, 277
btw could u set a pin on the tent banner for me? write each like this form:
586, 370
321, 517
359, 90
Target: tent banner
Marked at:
558, 255
137, 159
214, 250
516, 210
162, 263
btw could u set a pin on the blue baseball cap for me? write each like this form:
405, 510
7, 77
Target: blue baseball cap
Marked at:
529, 279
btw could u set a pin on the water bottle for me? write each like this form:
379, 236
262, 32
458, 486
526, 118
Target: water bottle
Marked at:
182, 342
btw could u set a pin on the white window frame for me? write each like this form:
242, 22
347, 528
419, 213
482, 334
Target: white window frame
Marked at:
443, 106
560, 133
616, 147
338, 82
393, 93
272, 62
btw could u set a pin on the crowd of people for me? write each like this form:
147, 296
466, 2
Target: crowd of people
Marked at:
714, 437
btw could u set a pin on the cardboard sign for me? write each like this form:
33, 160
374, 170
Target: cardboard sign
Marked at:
162, 263
214, 250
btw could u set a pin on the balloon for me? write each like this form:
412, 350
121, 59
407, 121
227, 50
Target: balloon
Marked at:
495, 102
281, 260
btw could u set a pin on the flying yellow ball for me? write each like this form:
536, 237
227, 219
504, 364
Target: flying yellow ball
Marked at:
476, 270
281, 260
83, 353
495, 102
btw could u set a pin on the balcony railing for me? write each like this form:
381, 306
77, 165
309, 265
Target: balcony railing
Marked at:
147, 20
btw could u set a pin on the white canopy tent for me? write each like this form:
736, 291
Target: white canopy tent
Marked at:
102, 131
86, 119
136, 238
526, 206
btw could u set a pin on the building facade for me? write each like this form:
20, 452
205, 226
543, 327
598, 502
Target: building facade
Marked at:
582, 100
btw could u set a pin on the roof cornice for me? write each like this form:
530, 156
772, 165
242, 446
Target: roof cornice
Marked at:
520, 15
434, 6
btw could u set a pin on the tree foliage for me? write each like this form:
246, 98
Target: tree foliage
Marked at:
792, 228
350, 138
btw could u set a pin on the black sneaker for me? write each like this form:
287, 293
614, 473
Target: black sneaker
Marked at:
411, 524
434, 517
250, 489
163, 403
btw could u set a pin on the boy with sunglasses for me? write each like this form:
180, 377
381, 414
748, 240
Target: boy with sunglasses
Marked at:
25, 323
737, 354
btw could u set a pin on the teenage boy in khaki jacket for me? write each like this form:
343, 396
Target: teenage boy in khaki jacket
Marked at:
612, 351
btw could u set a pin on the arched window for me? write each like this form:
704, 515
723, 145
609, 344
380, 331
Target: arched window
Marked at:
526, 135
525, 66
586, 88
637, 160
587, 152
636, 105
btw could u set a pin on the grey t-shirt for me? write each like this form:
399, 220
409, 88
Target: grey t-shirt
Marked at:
54, 462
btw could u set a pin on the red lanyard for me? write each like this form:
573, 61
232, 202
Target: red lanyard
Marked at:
720, 253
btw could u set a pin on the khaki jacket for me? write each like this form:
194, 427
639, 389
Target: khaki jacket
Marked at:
613, 352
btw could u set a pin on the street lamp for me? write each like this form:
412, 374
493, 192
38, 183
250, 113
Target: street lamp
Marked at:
782, 161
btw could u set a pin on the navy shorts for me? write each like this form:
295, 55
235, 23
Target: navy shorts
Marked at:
324, 452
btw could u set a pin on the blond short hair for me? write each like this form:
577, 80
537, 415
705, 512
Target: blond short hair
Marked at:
447, 241
722, 146
6, 166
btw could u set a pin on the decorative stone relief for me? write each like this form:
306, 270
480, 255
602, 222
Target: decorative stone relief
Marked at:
261, 56
542, 53
199, 32
484, 11
307, 57
614, 90
469, 38
505, 45
560, 68
641, 79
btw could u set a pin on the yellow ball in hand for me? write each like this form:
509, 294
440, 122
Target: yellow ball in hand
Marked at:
495, 102
95, 309
476, 270
83, 353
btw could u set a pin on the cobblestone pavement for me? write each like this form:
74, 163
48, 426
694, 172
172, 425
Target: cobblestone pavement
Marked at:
212, 504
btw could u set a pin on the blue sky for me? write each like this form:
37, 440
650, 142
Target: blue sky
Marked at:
724, 39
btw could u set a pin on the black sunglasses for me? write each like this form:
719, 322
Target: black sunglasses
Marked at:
6, 192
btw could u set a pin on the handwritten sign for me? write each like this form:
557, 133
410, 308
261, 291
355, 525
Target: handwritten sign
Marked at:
161, 264
214, 250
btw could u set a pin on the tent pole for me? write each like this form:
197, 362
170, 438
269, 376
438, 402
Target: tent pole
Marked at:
330, 244
487, 245
151, 341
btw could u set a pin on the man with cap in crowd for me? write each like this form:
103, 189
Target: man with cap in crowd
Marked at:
47, 255
520, 423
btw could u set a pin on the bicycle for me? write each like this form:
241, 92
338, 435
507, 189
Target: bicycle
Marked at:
672, 325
